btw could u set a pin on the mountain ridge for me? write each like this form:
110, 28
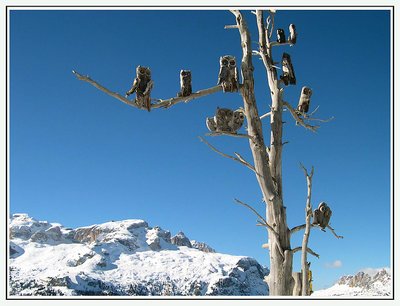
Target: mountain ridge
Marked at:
377, 283
125, 257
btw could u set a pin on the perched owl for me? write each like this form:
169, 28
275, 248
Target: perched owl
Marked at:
186, 83
142, 85
304, 101
280, 36
226, 120
228, 74
322, 215
293, 35
288, 76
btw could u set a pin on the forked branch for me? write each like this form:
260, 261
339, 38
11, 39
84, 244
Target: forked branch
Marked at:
198, 94
308, 251
102, 88
333, 232
264, 222
159, 102
297, 228
240, 160
229, 134
298, 119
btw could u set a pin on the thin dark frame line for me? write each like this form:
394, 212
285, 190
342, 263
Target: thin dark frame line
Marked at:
392, 10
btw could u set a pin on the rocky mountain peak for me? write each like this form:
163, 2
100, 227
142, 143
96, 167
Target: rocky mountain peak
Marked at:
125, 257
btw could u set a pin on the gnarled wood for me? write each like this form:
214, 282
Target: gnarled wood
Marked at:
280, 280
305, 288
297, 283
160, 103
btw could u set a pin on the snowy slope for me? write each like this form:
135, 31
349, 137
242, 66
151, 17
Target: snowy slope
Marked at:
122, 258
364, 283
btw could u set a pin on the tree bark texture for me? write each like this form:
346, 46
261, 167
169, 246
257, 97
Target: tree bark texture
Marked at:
297, 283
268, 166
305, 288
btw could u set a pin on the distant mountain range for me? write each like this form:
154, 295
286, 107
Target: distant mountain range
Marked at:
363, 284
122, 258
130, 258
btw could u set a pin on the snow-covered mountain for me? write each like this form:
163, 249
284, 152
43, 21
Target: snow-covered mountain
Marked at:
122, 258
364, 283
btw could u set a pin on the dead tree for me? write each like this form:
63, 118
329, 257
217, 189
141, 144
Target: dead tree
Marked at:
317, 222
267, 160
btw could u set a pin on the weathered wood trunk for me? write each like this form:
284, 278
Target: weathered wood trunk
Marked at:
297, 283
268, 169
305, 290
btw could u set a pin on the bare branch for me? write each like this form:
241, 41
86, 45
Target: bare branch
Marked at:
303, 226
264, 222
275, 43
314, 111
242, 161
259, 223
306, 172
160, 103
198, 94
265, 115
263, 40
233, 26
241, 158
270, 24
102, 88
297, 228
333, 232
229, 134
298, 119
308, 251
308, 118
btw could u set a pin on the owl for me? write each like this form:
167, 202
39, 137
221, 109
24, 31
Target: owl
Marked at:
186, 83
280, 36
322, 215
228, 74
293, 35
304, 101
142, 85
226, 120
288, 76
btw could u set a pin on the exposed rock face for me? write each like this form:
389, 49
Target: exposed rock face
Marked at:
364, 280
181, 240
373, 283
122, 258
202, 246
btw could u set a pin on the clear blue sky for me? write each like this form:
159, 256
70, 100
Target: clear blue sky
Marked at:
80, 157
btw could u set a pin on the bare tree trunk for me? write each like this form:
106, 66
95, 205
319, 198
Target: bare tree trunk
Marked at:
305, 290
268, 168
267, 160
297, 283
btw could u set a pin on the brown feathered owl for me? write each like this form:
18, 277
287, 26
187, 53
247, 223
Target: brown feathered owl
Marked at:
228, 74
142, 85
292, 34
226, 120
280, 36
186, 83
322, 215
288, 76
304, 101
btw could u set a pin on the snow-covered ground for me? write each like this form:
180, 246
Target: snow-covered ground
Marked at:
131, 258
122, 258
365, 283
